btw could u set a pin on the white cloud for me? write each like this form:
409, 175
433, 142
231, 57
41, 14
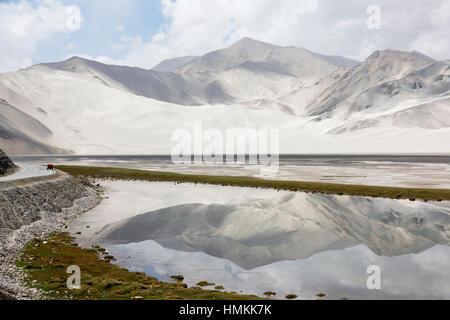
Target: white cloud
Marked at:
117, 46
194, 27
144, 54
24, 24
435, 43
159, 37
197, 26
326, 26
71, 46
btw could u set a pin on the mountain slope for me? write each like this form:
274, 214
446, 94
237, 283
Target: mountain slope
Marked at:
432, 115
21, 134
378, 68
169, 65
290, 61
420, 99
251, 70
265, 70
164, 86
91, 117
340, 61
429, 83
392, 102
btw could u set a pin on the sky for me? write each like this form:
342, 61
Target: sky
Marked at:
144, 32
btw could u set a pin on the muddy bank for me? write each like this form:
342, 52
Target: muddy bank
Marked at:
32, 208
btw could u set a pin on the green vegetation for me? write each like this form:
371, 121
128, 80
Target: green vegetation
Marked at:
177, 278
205, 284
320, 295
331, 188
45, 263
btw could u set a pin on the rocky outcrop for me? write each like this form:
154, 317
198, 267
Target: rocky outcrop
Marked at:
6, 165
32, 208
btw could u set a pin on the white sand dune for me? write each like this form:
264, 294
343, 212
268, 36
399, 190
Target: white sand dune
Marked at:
394, 102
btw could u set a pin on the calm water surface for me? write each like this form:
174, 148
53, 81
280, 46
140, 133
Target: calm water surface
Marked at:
254, 240
431, 171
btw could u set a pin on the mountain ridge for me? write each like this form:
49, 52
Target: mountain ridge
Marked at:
250, 84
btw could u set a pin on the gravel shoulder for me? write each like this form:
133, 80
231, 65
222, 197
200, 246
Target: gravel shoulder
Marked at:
31, 208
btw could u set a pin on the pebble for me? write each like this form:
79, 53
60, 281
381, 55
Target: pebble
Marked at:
12, 244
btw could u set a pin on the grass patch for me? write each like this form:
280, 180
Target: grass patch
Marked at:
321, 295
177, 278
205, 284
331, 188
45, 263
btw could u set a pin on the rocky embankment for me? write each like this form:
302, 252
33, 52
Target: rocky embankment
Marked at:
32, 208
6, 165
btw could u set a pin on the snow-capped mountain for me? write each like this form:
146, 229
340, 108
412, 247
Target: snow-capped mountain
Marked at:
393, 101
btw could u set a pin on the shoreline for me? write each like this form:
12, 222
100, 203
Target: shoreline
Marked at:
34, 247
12, 245
425, 194
24, 291
11, 171
101, 279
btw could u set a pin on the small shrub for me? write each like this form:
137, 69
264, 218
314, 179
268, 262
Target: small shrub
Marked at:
204, 284
177, 277
321, 295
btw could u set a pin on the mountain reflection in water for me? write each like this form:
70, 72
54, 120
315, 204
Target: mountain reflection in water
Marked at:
294, 226
257, 240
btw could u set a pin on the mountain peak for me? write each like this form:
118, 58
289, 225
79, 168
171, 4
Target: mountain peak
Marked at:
72, 60
73, 64
247, 42
393, 54
378, 54
76, 59
246, 39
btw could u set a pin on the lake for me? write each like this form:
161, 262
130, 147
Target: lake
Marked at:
257, 240
428, 171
